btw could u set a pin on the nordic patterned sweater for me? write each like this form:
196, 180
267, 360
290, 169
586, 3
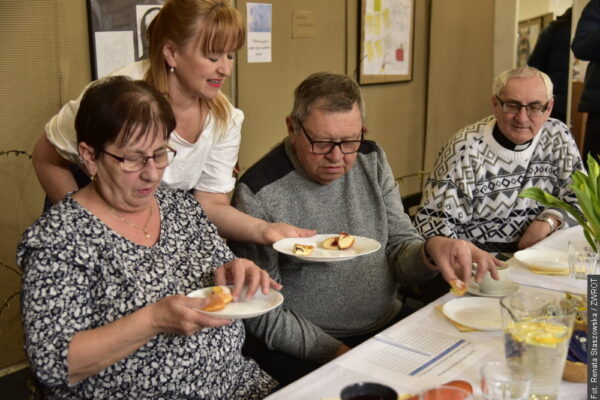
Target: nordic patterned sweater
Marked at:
472, 191
326, 301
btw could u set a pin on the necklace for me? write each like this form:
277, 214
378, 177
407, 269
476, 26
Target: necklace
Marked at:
142, 228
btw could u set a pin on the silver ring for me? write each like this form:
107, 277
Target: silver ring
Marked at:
475, 265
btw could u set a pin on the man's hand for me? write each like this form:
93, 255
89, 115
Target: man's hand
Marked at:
341, 350
455, 259
536, 231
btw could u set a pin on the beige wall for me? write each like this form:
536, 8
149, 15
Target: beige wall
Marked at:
395, 111
37, 76
265, 89
460, 69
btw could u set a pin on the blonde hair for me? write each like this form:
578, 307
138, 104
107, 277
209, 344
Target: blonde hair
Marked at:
521, 72
213, 26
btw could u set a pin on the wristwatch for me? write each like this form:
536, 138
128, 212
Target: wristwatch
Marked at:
548, 219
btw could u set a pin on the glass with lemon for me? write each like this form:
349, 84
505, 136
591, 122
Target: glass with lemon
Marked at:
537, 330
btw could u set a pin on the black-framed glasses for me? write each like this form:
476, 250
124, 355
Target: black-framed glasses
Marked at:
161, 158
326, 147
533, 109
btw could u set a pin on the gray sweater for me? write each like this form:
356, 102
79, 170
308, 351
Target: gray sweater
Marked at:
325, 301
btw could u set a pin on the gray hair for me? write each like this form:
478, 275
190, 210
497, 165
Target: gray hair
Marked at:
328, 92
521, 72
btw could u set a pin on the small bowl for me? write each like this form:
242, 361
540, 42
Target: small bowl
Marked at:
368, 390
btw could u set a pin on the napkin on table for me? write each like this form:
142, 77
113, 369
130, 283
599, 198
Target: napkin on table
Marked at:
545, 271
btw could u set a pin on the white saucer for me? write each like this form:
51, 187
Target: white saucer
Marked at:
509, 288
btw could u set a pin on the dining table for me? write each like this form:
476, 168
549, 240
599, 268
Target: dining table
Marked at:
427, 349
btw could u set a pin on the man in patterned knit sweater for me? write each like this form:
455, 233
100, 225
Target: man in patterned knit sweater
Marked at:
472, 191
326, 177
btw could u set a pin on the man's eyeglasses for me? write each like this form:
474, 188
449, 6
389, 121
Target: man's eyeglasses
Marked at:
161, 158
326, 147
533, 110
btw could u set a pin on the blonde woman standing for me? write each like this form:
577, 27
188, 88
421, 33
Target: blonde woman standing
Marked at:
192, 44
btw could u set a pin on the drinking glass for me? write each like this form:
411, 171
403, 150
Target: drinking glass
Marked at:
505, 380
582, 259
537, 330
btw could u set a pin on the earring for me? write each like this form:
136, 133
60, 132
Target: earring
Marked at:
171, 69
93, 178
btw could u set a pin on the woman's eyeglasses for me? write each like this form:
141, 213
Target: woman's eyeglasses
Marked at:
161, 158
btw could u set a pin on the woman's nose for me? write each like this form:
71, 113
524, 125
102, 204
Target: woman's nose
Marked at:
225, 66
151, 172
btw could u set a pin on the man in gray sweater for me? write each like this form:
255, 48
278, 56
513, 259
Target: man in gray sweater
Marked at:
325, 176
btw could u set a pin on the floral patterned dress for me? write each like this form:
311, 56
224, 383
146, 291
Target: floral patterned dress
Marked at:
79, 275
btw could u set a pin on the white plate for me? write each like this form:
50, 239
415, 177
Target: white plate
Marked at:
243, 308
550, 260
481, 313
509, 288
362, 246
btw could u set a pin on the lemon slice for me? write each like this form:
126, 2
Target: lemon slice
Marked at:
539, 333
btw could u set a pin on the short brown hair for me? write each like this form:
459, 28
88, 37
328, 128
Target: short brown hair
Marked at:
327, 91
116, 108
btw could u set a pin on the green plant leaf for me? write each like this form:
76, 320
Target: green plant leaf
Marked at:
586, 189
548, 200
590, 240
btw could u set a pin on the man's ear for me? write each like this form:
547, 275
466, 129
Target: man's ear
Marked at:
88, 158
550, 107
494, 101
289, 122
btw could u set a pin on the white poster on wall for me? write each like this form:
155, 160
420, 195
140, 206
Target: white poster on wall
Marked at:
387, 37
259, 17
113, 50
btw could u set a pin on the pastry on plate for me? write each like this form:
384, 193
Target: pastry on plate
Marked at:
303, 249
457, 287
341, 242
345, 241
218, 299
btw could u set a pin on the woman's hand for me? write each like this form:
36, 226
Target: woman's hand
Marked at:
455, 259
178, 314
274, 231
243, 272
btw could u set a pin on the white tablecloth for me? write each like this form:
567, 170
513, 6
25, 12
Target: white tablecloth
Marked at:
327, 381
357, 365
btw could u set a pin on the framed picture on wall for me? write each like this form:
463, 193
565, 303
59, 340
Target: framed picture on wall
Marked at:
117, 31
386, 41
529, 31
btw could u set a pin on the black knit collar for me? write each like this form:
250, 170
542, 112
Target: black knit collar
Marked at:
506, 143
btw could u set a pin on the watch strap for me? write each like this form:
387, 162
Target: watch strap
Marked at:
549, 220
